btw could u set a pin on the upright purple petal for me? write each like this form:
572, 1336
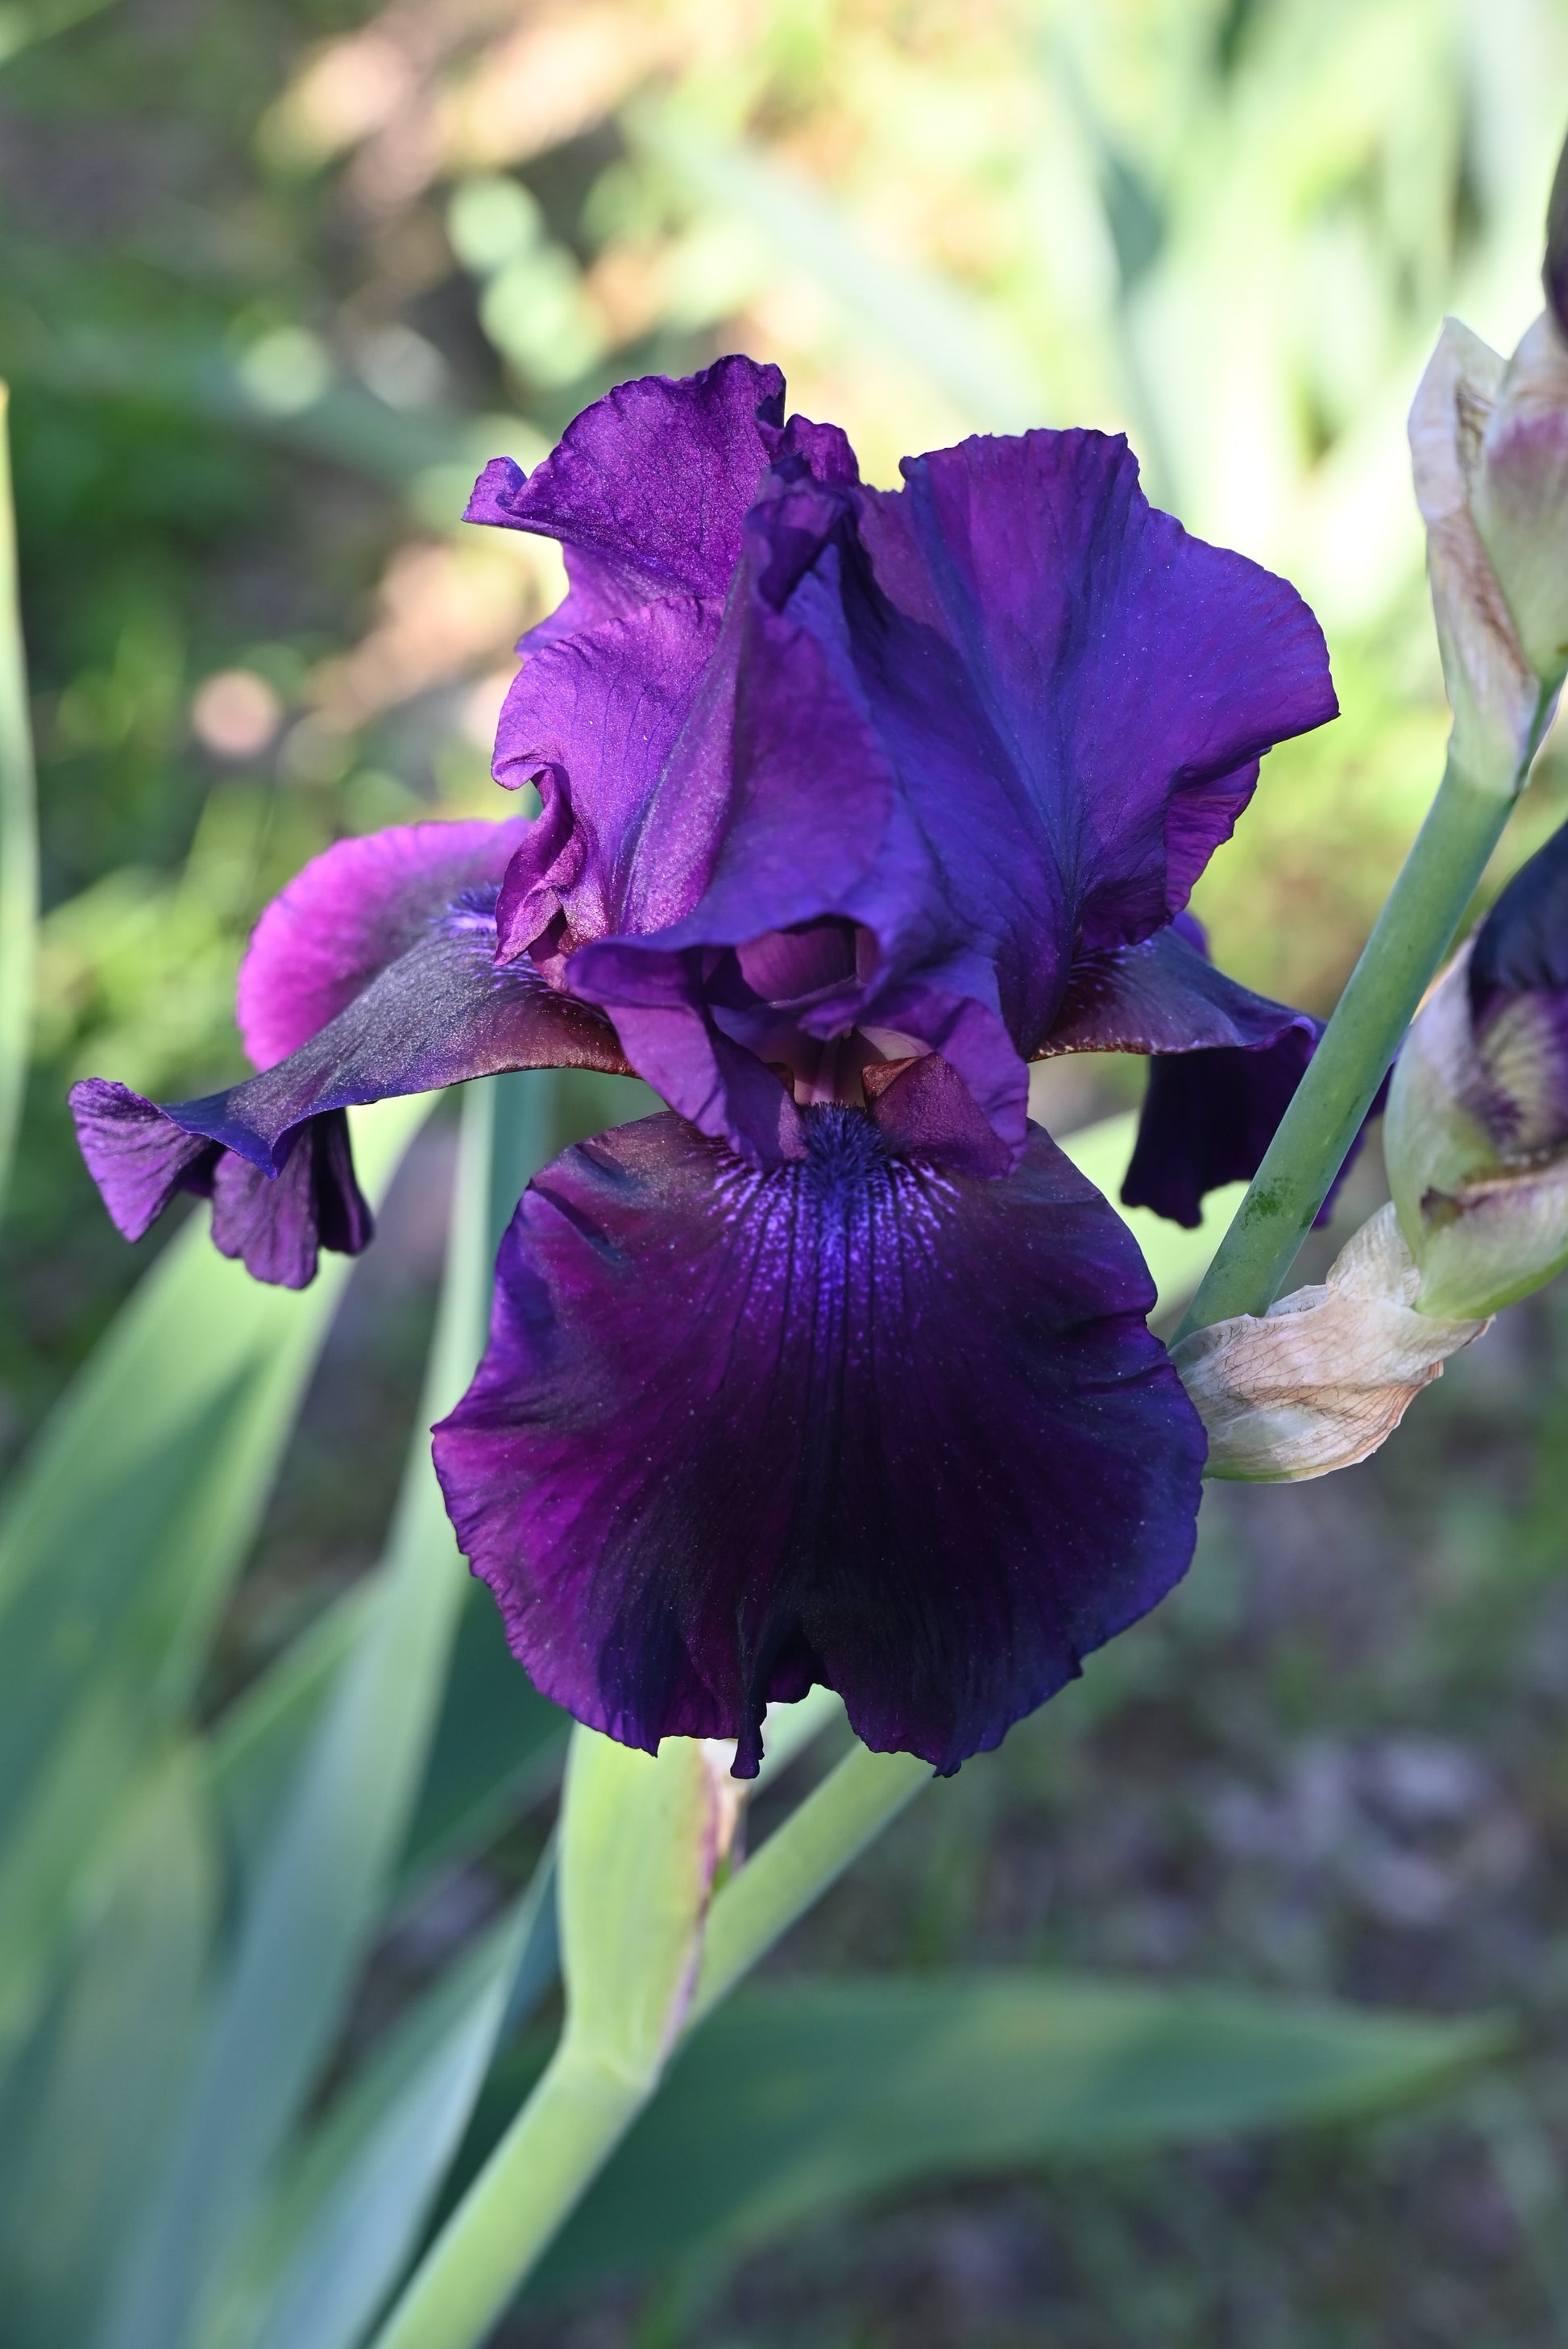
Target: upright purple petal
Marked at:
1134, 674
646, 490
858, 1420
991, 726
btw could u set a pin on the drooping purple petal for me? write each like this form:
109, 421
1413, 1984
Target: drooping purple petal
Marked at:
351, 912
1229, 1064
1165, 996
140, 1157
272, 1152
1208, 1117
859, 1419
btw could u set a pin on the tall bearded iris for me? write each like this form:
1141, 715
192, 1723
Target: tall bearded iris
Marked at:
854, 802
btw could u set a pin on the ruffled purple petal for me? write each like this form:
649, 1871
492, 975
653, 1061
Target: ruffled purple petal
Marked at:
646, 490
1133, 675
859, 1420
272, 1153
991, 725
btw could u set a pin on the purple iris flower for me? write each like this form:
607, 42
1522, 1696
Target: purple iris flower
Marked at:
853, 803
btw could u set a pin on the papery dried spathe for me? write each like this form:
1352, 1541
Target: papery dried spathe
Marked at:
1325, 1376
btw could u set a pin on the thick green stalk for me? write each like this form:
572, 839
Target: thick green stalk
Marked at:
582, 2107
18, 830
1412, 934
577, 2115
795, 1864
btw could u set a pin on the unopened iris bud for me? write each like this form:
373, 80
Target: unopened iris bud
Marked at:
1521, 496
1476, 1135
1554, 268
1488, 439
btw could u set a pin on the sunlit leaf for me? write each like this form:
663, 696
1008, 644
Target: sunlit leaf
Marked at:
353, 2200
87, 2115
121, 1537
321, 1887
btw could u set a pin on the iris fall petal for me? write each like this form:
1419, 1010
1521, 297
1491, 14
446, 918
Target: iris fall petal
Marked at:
858, 1420
272, 1152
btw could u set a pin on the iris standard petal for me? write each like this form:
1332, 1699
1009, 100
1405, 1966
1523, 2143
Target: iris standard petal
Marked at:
858, 1420
646, 490
1133, 674
438, 1015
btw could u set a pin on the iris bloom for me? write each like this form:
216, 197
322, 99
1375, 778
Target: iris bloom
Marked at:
853, 803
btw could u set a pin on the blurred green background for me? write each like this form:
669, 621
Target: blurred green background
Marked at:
275, 280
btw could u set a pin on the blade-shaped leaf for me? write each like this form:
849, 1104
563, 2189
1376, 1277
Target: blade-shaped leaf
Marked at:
18, 831
259, 1744
497, 1743
349, 2211
321, 1889
120, 1538
795, 2101
89, 2110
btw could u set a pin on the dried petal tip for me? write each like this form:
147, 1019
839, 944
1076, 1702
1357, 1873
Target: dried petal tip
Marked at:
1325, 1376
1554, 268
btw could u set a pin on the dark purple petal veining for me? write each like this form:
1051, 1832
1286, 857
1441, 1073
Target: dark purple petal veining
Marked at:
859, 1419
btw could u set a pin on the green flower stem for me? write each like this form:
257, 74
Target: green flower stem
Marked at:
1425, 908
581, 2107
18, 830
796, 1864
577, 2115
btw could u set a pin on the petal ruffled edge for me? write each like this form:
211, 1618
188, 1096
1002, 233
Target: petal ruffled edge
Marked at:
858, 1420
646, 490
